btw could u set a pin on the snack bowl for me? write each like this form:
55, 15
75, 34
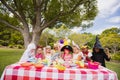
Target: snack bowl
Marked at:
93, 65
26, 64
39, 66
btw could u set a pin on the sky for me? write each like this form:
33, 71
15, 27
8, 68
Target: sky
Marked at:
108, 17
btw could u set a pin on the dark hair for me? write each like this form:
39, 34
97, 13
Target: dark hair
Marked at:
39, 47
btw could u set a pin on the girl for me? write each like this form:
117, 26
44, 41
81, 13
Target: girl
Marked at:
48, 53
77, 56
39, 53
98, 53
87, 55
67, 53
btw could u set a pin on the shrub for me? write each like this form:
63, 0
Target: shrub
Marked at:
19, 46
116, 56
11, 46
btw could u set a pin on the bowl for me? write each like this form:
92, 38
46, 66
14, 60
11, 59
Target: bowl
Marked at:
38, 65
26, 64
93, 65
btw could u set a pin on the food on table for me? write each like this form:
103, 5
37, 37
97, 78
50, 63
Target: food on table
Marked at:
26, 64
38, 65
81, 64
60, 67
45, 61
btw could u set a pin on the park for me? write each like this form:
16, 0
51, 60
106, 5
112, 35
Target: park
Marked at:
27, 25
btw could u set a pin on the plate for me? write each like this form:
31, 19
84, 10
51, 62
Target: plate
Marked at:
38, 65
26, 64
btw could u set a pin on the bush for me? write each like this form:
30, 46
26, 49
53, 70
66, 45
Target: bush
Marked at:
19, 46
11, 46
116, 56
4, 43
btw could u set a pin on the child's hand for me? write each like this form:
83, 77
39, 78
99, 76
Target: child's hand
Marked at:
106, 50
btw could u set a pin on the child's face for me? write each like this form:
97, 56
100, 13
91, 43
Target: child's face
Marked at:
66, 51
84, 49
39, 50
97, 49
48, 50
56, 48
75, 50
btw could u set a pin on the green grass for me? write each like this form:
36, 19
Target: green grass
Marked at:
10, 56
115, 67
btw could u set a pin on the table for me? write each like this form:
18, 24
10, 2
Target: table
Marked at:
16, 72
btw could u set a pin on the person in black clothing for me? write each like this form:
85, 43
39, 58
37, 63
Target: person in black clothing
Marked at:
98, 53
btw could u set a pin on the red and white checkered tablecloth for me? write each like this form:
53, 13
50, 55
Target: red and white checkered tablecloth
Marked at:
16, 72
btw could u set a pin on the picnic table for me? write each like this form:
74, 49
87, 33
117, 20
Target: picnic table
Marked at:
17, 72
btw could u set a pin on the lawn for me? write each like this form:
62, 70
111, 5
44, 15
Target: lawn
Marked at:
10, 56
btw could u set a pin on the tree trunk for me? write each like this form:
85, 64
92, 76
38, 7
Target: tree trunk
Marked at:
36, 37
27, 38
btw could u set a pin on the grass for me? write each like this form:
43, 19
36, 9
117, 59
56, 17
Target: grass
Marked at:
115, 67
10, 56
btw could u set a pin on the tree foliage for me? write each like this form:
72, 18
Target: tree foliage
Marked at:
111, 38
62, 32
10, 37
82, 39
22, 15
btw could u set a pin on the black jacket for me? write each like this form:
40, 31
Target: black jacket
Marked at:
100, 57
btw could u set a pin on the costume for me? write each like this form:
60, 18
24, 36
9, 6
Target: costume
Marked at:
101, 55
29, 53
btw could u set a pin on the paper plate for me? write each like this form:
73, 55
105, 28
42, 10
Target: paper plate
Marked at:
26, 64
38, 65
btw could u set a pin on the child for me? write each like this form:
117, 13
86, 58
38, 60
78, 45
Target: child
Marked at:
67, 55
48, 53
56, 52
98, 53
87, 55
29, 54
39, 53
77, 56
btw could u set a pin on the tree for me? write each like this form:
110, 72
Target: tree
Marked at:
10, 37
111, 38
31, 17
47, 38
62, 32
82, 39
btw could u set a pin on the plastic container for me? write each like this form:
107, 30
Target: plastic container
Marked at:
93, 65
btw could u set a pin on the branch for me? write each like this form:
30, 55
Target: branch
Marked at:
38, 12
73, 9
45, 5
9, 25
21, 13
46, 24
10, 9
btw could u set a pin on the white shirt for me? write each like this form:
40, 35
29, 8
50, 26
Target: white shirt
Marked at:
75, 56
48, 56
89, 55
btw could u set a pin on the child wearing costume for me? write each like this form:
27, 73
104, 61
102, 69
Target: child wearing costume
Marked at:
67, 53
98, 53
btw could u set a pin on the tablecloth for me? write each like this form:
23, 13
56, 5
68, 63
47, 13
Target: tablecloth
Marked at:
16, 72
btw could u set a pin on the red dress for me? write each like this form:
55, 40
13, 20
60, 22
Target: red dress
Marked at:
39, 55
